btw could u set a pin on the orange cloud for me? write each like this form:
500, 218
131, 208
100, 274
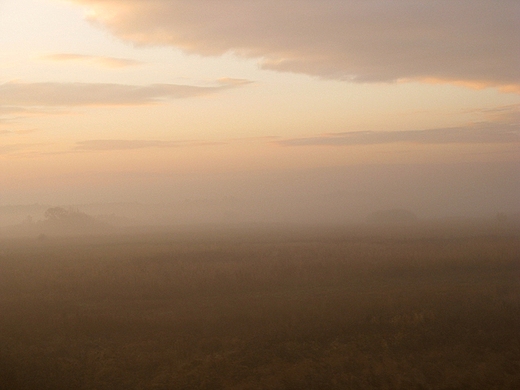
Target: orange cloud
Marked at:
472, 84
109, 62
475, 133
121, 144
467, 42
16, 148
20, 94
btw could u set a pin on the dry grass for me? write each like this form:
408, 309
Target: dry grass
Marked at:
260, 311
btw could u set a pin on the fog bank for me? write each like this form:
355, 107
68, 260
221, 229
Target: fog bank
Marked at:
323, 195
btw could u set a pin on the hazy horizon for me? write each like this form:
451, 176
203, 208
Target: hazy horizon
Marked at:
262, 111
339, 195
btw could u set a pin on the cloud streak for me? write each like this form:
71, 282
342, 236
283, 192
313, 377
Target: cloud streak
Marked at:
17, 132
108, 62
15, 148
119, 144
480, 133
9, 114
93, 94
468, 42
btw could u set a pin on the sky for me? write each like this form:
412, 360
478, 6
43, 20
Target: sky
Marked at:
271, 102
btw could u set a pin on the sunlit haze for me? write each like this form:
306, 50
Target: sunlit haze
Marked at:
262, 110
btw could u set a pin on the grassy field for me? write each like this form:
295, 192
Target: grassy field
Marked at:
265, 309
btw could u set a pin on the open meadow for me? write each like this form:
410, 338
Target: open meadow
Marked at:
260, 308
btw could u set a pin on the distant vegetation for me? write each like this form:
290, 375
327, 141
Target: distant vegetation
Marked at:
62, 221
270, 309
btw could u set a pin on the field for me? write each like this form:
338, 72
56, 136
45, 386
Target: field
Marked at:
261, 309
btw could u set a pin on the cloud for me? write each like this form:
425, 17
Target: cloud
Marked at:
478, 133
231, 82
15, 148
7, 110
89, 94
10, 114
118, 144
109, 62
17, 132
468, 42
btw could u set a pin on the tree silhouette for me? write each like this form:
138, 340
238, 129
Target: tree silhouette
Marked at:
71, 220
57, 214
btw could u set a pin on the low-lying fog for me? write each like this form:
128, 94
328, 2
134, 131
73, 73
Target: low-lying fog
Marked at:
327, 195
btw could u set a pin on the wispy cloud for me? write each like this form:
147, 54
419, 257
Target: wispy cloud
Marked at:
479, 133
120, 144
90, 94
16, 148
466, 42
8, 110
17, 132
9, 114
108, 62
